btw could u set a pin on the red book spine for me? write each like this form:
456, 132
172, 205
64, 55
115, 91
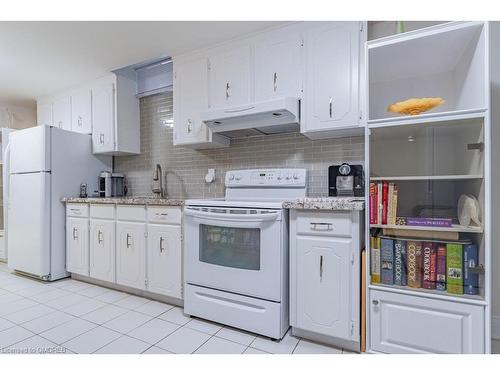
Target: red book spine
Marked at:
430, 261
373, 203
385, 194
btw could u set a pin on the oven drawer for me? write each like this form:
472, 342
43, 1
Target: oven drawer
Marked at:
251, 314
324, 223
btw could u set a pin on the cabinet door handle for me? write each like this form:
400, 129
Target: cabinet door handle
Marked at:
101, 138
331, 107
60, 124
322, 227
321, 268
189, 125
275, 81
375, 302
161, 245
227, 90
99, 237
75, 233
80, 121
128, 240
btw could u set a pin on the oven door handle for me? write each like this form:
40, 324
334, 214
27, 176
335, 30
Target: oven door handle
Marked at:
215, 215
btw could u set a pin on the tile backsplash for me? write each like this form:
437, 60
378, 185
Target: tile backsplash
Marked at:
185, 169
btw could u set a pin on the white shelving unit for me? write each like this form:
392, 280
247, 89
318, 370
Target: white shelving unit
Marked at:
433, 158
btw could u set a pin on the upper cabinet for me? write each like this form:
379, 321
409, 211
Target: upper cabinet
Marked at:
230, 77
81, 110
107, 108
332, 75
191, 76
277, 62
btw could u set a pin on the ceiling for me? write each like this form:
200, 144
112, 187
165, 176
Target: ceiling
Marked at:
38, 58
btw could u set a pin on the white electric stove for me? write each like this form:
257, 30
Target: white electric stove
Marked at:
236, 251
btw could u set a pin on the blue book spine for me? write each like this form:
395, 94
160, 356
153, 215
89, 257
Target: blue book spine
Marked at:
471, 279
400, 262
387, 261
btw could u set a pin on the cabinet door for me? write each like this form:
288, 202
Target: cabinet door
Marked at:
230, 77
102, 250
131, 254
103, 117
331, 93
190, 98
44, 113
77, 246
408, 324
164, 260
278, 71
81, 111
323, 286
62, 112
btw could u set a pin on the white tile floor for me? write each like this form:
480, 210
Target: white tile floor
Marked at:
70, 316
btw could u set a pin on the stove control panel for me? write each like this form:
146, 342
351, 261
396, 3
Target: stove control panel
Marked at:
286, 177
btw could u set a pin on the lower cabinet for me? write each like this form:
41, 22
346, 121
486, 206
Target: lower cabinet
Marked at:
164, 258
131, 254
77, 245
323, 284
102, 250
401, 323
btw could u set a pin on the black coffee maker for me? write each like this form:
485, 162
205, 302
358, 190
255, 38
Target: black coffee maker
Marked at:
346, 180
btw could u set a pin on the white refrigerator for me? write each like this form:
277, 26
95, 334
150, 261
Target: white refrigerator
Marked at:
45, 165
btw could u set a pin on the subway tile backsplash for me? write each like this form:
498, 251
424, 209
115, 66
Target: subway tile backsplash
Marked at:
185, 169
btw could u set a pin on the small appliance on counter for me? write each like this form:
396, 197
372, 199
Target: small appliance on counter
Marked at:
346, 180
111, 184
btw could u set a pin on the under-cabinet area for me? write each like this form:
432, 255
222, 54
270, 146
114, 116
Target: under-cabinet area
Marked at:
137, 246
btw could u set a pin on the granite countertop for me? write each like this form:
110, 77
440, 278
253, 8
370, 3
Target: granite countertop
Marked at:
327, 203
156, 201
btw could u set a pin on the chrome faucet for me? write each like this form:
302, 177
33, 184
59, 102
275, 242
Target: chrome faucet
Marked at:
157, 176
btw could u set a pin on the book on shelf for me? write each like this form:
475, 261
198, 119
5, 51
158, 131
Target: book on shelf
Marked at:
414, 249
385, 196
375, 259
379, 203
387, 261
454, 268
421, 234
383, 203
373, 203
441, 267
429, 222
400, 262
429, 265
471, 260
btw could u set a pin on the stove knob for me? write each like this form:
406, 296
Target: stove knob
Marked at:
231, 177
279, 177
296, 176
289, 177
238, 177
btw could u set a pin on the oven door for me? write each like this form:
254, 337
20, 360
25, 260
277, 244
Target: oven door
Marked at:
235, 250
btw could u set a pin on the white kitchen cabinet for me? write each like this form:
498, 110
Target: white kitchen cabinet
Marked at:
77, 245
103, 117
62, 112
102, 250
81, 110
331, 98
278, 62
323, 284
190, 77
325, 251
164, 260
230, 77
44, 115
401, 323
131, 254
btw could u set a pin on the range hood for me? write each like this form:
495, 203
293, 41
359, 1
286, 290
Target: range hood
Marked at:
260, 118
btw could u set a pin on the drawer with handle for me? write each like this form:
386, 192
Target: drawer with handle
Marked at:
77, 210
164, 215
325, 223
102, 211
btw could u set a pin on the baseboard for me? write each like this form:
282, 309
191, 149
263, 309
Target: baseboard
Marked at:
495, 327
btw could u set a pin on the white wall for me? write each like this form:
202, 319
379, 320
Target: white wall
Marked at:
17, 117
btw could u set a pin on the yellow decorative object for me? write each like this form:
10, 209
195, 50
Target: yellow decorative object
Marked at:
415, 106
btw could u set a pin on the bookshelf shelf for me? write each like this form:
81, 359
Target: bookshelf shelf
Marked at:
442, 118
426, 178
453, 228
464, 298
